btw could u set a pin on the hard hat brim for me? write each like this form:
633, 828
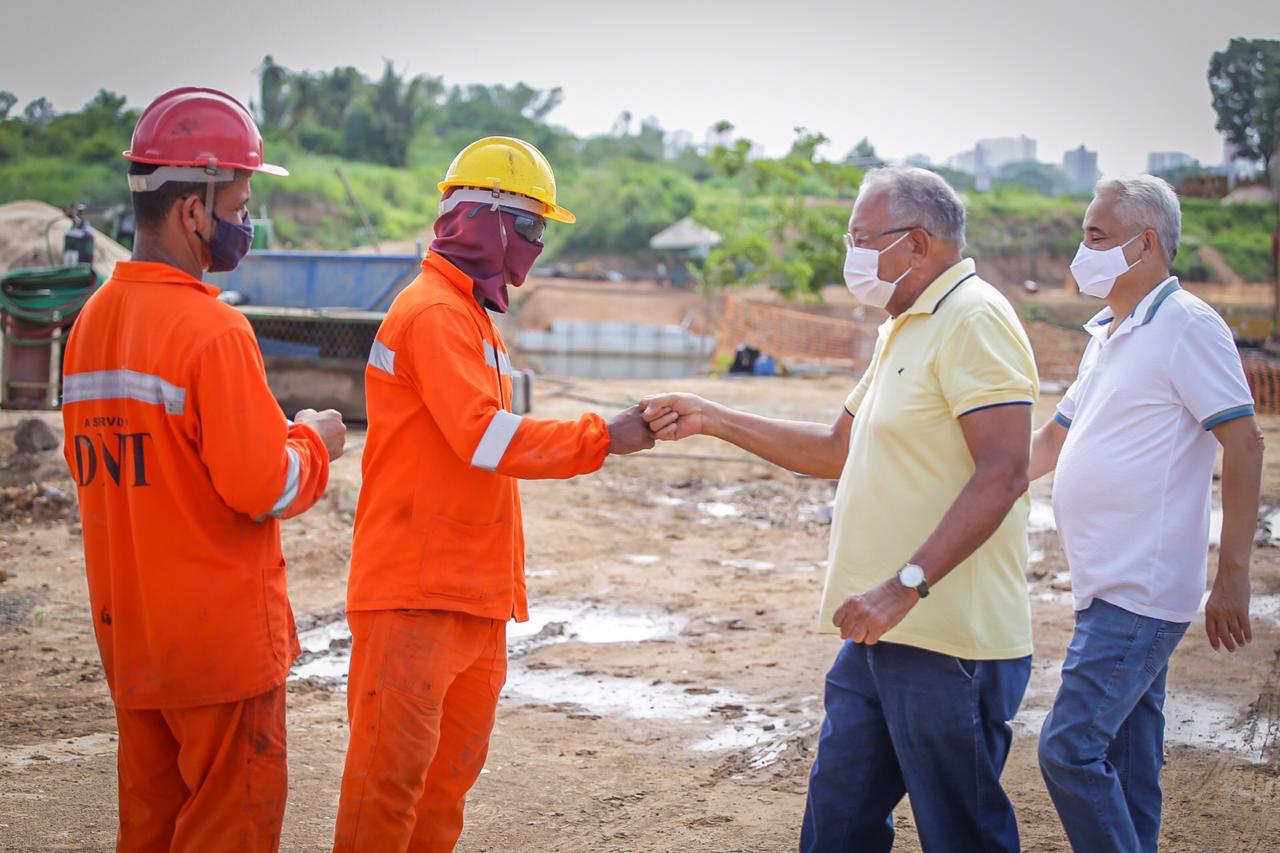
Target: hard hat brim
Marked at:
264, 168
551, 211
560, 214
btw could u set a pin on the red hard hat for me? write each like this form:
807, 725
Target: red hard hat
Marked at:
201, 128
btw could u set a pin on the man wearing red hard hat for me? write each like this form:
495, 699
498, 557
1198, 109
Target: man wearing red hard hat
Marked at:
184, 465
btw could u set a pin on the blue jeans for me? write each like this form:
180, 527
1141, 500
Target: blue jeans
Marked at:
902, 720
1102, 745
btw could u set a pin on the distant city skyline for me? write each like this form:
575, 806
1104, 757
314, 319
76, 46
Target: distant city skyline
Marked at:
930, 83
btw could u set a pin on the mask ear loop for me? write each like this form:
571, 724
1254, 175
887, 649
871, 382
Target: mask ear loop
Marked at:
502, 233
905, 272
208, 205
1127, 242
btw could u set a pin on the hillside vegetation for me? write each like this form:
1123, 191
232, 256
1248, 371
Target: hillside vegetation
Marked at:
393, 137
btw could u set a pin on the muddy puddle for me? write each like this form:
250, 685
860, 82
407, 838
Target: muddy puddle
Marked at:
1268, 527
710, 719
1265, 607
766, 504
1041, 520
75, 749
1191, 719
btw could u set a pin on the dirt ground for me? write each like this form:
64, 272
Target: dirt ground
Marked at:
666, 696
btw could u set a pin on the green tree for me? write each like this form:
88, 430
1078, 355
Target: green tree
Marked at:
272, 80
729, 160
39, 112
1245, 82
863, 154
806, 145
1044, 178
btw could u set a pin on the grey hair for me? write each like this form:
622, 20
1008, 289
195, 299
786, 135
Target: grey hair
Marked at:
1147, 202
921, 198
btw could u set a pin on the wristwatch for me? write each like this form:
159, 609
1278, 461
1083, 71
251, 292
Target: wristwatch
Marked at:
912, 577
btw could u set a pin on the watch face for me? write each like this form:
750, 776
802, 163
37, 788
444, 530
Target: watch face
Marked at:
911, 575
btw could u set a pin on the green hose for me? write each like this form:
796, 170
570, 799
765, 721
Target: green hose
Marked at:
48, 297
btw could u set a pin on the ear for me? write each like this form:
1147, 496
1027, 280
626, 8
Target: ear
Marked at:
190, 213
1150, 244
197, 217
919, 239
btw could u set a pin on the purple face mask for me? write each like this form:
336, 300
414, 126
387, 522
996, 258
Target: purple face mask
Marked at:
229, 244
470, 237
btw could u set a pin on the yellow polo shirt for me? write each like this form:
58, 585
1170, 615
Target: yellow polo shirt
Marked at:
959, 348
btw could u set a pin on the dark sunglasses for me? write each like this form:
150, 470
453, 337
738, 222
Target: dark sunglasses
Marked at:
528, 225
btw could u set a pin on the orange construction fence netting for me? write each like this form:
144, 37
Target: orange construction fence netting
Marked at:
793, 335
1263, 373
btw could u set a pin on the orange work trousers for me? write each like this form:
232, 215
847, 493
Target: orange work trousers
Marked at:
207, 778
422, 696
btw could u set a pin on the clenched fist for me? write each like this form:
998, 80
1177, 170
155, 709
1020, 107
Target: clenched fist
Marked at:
333, 432
676, 416
628, 433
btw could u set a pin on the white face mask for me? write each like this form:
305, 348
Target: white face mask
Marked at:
862, 275
1096, 271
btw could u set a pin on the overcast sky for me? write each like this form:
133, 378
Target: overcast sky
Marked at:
1123, 77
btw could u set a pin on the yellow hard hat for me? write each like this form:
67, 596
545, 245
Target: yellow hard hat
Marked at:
508, 165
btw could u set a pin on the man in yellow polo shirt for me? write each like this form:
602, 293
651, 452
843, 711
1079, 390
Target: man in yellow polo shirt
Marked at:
929, 537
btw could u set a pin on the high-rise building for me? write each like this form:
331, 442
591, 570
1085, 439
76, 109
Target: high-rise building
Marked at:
717, 137
1167, 161
1234, 166
988, 155
965, 161
994, 153
676, 142
1081, 168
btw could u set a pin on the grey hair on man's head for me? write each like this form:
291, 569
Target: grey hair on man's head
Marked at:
1145, 201
918, 197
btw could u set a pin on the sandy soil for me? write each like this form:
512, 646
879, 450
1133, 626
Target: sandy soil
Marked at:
667, 694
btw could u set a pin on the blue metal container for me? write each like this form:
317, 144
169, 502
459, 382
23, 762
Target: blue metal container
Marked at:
320, 279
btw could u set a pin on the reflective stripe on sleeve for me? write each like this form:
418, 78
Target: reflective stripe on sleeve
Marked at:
291, 482
500, 360
495, 441
124, 385
382, 358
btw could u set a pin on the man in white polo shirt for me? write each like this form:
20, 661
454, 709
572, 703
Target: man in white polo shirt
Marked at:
1133, 444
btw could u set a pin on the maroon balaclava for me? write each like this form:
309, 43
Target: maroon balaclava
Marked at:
469, 238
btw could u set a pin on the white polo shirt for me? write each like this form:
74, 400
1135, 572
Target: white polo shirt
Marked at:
1131, 493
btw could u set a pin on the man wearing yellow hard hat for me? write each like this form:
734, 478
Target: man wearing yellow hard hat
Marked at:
437, 564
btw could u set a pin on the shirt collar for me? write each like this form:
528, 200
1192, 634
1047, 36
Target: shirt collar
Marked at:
451, 274
941, 287
150, 272
1143, 313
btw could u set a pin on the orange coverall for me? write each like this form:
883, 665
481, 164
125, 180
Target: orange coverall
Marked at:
437, 564
184, 465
